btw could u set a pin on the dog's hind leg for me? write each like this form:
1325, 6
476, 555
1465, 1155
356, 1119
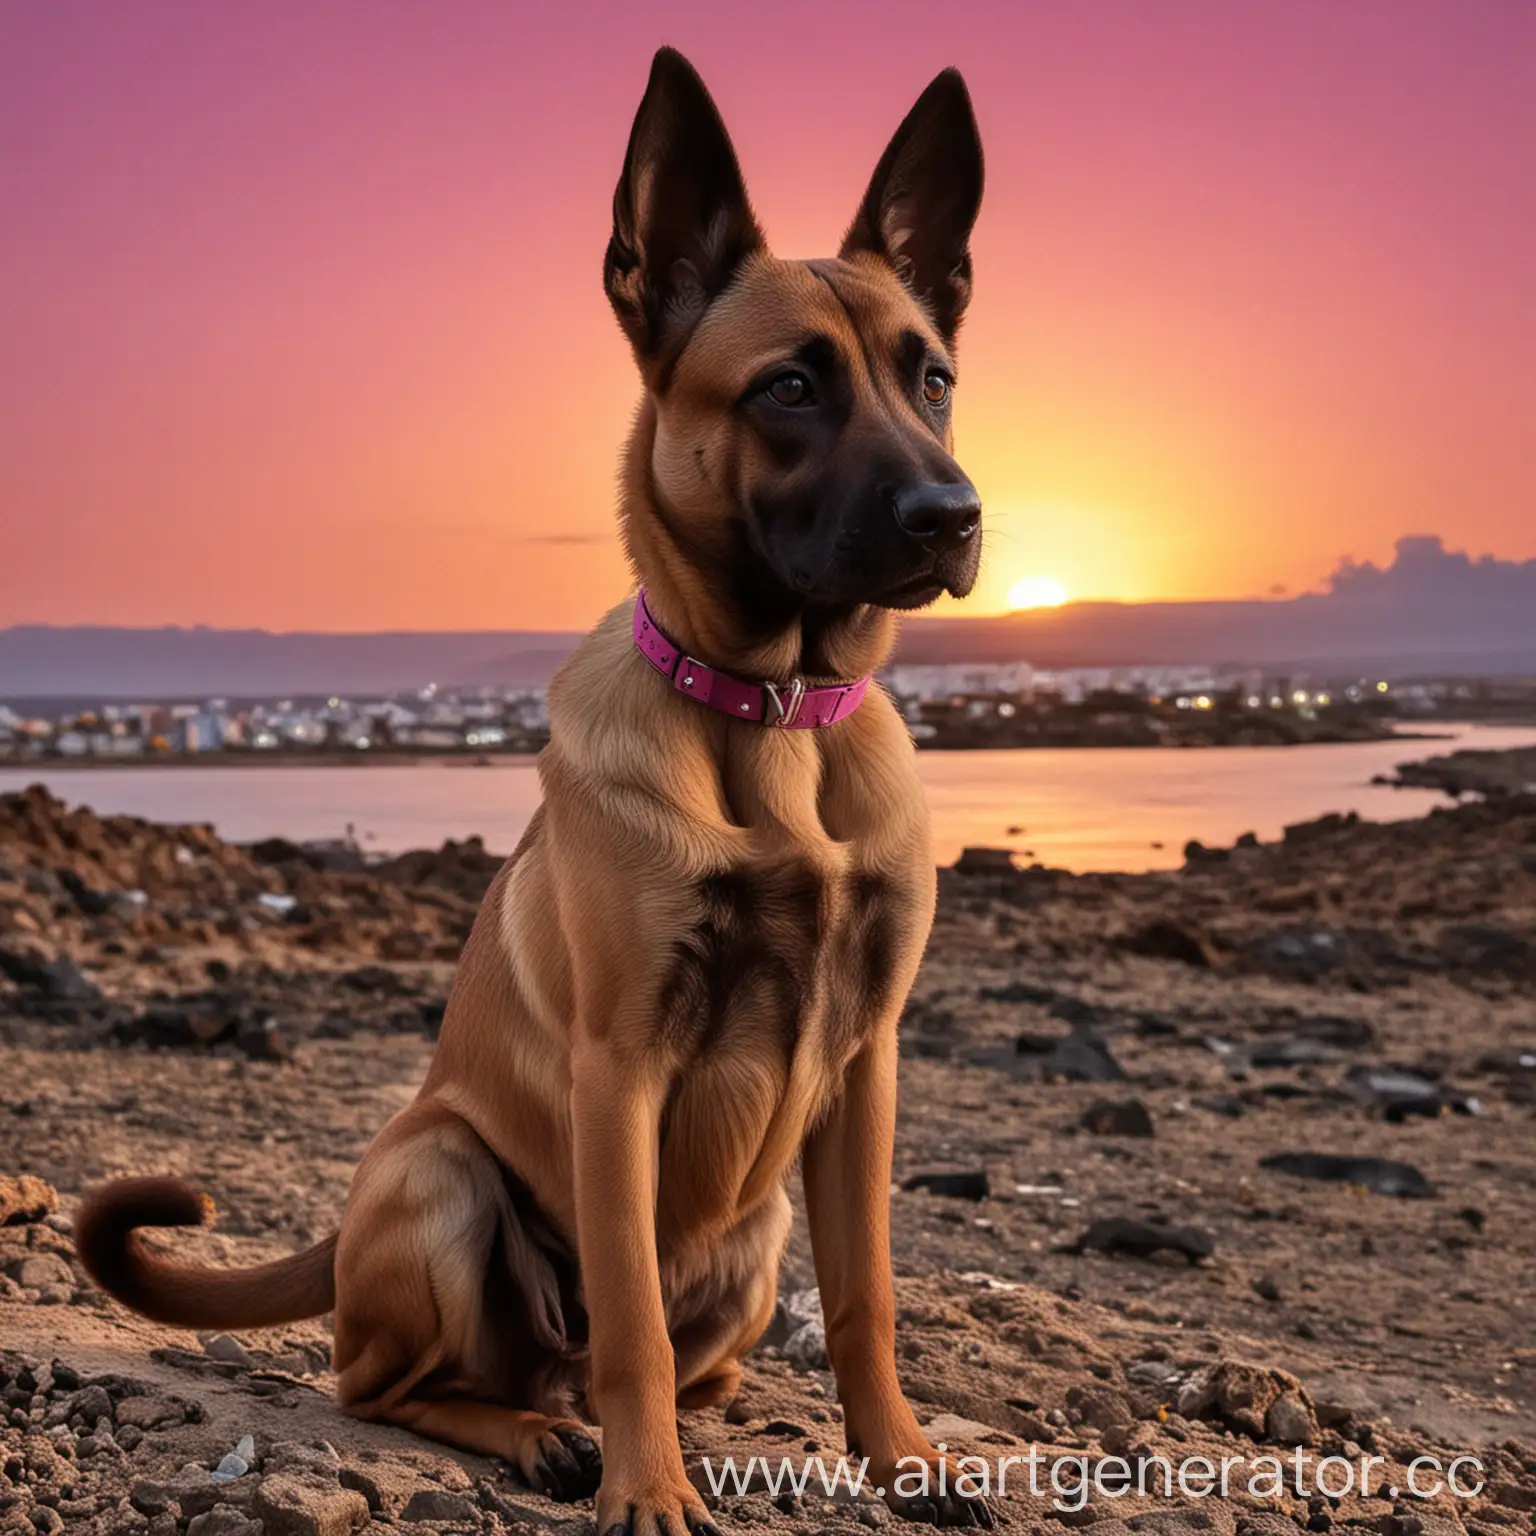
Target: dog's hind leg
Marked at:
449, 1311
557, 1456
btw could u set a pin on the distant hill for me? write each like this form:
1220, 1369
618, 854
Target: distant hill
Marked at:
87, 662
1429, 612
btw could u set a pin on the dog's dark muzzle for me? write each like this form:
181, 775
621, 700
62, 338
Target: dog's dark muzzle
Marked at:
939, 518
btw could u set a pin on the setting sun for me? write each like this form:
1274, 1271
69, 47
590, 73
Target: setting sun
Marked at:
1036, 592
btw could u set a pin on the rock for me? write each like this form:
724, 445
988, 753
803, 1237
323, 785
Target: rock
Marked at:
197, 1492
149, 1498
263, 1039
244, 1453
1123, 1234
1243, 1397
24, 1199
303, 1504
39, 1270
791, 1312
1165, 939
1228, 1105
1195, 852
1400, 1095
1108, 1118
224, 1520
1378, 1174
1099, 1407
986, 861
437, 1504
223, 1346
968, 1185
1485, 947
319, 1459
1294, 1051
231, 1466
150, 1412
91, 1403
1291, 1420
57, 980
1081, 1057
806, 1347
364, 1483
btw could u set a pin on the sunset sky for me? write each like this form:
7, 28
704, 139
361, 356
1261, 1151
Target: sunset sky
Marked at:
301, 323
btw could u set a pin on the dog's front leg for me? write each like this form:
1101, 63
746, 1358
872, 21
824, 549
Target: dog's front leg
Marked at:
616, 1113
847, 1168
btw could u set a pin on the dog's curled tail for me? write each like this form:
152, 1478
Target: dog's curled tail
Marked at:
185, 1295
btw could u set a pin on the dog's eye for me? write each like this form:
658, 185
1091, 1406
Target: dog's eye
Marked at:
790, 389
935, 388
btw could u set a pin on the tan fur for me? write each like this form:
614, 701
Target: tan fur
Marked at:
687, 978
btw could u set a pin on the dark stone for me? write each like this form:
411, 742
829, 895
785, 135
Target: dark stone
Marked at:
1108, 1118
1399, 1095
986, 861
1081, 1057
1484, 947
378, 979
1378, 1174
90, 902
278, 850
1195, 852
439, 1504
1228, 1105
1142, 1239
959, 1186
56, 981
263, 1040
1297, 1051
1165, 939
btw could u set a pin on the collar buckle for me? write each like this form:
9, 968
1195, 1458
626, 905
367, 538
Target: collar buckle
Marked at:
789, 712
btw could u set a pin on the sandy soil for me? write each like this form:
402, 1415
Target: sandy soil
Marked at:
1241, 1009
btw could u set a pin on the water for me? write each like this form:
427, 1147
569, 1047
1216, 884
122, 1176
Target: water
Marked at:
1083, 809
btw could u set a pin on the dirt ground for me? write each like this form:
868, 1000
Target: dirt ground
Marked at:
1094, 1067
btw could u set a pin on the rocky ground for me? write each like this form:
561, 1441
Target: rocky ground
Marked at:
1474, 773
1212, 1163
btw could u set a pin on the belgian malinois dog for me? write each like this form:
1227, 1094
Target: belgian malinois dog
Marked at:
689, 973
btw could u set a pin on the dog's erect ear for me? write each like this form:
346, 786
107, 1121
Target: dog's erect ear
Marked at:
681, 220
923, 200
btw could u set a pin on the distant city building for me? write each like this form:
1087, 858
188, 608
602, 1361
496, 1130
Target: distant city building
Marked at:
956, 679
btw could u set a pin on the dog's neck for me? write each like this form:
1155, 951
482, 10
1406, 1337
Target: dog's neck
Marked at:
722, 610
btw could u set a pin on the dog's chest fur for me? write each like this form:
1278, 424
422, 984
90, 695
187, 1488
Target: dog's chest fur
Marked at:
788, 967
780, 956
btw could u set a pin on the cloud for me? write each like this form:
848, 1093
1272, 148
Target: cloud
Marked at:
502, 536
1423, 570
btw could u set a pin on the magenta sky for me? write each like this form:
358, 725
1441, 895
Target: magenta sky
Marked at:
301, 326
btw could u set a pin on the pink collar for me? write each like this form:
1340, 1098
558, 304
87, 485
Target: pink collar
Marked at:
795, 707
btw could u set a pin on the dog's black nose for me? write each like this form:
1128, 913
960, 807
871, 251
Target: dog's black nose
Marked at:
941, 516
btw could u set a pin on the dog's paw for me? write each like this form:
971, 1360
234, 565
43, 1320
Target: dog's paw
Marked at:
563, 1462
654, 1510
922, 1489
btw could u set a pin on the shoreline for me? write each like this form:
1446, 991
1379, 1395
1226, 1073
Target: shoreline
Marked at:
418, 758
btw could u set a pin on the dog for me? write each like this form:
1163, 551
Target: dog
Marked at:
688, 975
